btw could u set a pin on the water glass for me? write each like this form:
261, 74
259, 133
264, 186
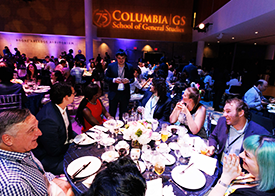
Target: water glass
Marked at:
155, 124
178, 155
125, 117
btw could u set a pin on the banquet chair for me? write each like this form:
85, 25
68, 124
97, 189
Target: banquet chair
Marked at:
263, 121
10, 101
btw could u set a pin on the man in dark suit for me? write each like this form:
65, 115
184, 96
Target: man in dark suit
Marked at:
119, 75
155, 103
232, 129
55, 125
192, 71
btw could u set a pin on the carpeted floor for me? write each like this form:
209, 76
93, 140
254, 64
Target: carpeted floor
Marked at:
73, 107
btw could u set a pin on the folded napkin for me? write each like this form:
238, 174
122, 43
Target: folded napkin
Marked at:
168, 191
96, 128
89, 181
204, 163
154, 187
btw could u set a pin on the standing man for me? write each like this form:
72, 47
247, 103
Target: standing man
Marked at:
56, 127
20, 172
119, 74
254, 97
191, 69
232, 129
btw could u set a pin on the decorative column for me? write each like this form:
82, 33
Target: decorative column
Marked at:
270, 52
88, 29
200, 48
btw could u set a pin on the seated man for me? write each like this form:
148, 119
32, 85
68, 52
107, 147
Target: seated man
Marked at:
56, 127
254, 97
155, 103
232, 129
121, 177
21, 173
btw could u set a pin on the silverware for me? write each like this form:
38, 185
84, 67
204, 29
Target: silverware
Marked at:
80, 170
186, 168
89, 135
185, 192
77, 144
165, 157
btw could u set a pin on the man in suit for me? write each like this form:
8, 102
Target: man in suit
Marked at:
56, 128
155, 103
119, 75
232, 129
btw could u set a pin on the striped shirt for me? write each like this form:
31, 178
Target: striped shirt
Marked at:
22, 174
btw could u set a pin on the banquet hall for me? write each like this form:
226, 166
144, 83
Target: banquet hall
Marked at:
47, 42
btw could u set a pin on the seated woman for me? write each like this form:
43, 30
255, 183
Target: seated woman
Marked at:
258, 159
91, 109
32, 74
120, 177
155, 103
56, 76
190, 112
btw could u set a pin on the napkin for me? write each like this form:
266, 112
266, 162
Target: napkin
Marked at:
154, 187
168, 191
89, 181
204, 163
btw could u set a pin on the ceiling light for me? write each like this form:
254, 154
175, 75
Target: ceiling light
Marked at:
208, 44
256, 32
233, 37
203, 27
218, 41
255, 43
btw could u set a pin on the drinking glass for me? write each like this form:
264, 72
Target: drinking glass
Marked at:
98, 138
182, 118
159, 165
155, 123
125, 117
164, 135
204, 146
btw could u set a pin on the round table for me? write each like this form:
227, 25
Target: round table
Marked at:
75, 152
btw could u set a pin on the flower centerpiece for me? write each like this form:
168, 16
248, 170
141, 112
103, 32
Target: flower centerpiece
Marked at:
139, 132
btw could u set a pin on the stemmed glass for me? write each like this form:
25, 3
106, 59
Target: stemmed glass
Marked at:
178, 154
159, 165
125, 117
98, 138
155, 124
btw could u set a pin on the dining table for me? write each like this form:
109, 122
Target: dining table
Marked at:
76, 151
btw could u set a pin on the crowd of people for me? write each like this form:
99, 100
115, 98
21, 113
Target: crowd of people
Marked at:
32, 148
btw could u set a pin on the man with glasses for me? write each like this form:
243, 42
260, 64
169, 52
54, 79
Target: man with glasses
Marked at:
55, 125
119, 75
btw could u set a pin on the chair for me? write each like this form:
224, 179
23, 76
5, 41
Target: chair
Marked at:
10, 101
263, 121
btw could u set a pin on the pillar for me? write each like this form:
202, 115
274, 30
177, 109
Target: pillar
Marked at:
88, 29
200, 48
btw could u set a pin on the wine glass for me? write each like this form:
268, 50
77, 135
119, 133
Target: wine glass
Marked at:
98, 138
125, 117
155, 123
159, 165
178, 155
204, 146
164, 135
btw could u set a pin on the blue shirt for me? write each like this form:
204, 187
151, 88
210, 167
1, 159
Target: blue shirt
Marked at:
77, 72
20, 175
253, 99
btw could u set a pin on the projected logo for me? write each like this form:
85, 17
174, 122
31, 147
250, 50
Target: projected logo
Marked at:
102, 18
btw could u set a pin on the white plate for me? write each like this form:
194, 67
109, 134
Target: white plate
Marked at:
174, 145
163, 150
107, 141
192, 178
170, 127
122, 144
83, 139
109, 156
155, 136
271, 111
78, 163
118, 123
141, 167
171, 159
98, 128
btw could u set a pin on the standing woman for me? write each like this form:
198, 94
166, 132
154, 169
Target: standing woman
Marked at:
91, 109
190, 112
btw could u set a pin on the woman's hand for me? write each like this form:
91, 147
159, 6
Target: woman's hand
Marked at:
231, 168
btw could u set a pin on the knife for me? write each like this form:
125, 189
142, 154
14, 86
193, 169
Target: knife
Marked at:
80, 170
187, 168
89, 135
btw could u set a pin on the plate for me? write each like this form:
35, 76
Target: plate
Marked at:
97, 128
271, 111
192, 178
109, 156
162, 148
169, 159
170, 127
122, 144
83, 139
141, 166
117, 123
174, 145
107, 141
78, 163
155, 136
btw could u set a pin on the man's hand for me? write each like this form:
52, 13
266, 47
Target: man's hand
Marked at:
118, 80
210, 150
125, 81
64, 185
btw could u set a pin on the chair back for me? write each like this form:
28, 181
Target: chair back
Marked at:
235, 90
10, 101
263, 121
